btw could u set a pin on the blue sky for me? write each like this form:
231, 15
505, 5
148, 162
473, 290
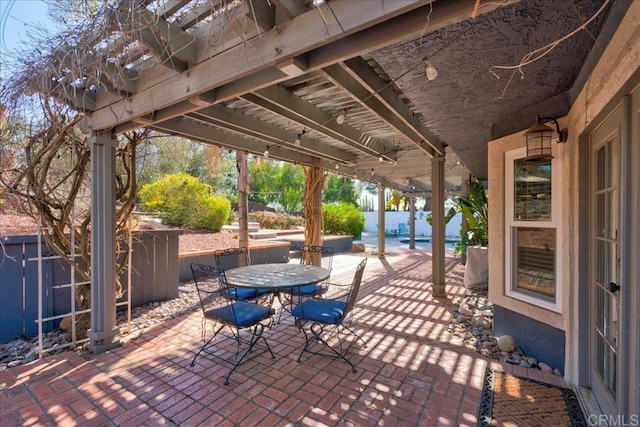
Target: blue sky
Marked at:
16, 18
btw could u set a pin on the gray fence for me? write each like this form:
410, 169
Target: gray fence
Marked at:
154, 277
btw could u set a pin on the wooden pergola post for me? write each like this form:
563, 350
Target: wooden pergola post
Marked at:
243, 195
103, 332
381, 220
438, 226
412, 222
314, 182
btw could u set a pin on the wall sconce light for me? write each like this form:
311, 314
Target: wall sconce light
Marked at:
538, 138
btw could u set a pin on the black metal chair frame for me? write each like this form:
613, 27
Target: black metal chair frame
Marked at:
323, 332
212, 289
242, 254
286, 296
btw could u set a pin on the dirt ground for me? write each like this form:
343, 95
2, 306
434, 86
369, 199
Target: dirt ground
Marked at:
191, 240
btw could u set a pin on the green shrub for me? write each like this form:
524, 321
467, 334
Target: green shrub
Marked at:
184, 200
343, 218
276, 220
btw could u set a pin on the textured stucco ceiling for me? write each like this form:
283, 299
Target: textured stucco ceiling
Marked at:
467, 105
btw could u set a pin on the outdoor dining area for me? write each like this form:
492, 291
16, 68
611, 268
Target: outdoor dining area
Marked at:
409, 370
229, 298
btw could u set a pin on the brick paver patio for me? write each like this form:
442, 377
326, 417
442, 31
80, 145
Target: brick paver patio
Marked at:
412, 372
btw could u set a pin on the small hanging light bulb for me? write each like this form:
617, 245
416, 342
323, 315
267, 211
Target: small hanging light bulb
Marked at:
266, 153
431, 71
296, 142
337, 166
372, 173
381, 159
340, 118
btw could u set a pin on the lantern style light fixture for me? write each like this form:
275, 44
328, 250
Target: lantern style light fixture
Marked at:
538, 138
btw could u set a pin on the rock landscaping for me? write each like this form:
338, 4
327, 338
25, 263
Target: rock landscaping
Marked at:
23, 350
473, 322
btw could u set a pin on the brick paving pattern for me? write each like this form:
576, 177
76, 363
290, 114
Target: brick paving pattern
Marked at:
412, 372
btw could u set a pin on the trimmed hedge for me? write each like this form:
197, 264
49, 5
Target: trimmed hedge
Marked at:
184, 200
276, 220
343, 218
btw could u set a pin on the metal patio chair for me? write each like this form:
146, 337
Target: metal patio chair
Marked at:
311, 255
322, 321
238, 316
239, 257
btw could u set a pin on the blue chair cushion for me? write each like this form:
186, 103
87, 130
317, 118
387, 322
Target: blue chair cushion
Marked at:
306, 290
246, 313
244, 294
320, 310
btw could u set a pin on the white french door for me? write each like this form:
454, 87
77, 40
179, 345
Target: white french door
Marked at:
605, 287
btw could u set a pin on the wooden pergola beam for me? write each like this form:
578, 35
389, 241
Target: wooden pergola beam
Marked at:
198, 131
236, 121
154, 94
281, 101
403, 118
167, 41
290, 8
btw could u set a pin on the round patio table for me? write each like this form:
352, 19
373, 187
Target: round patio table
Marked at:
275, 276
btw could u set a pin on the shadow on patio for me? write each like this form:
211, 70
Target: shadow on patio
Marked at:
412, 371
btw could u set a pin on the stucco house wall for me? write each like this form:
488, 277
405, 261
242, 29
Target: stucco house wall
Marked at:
617, 65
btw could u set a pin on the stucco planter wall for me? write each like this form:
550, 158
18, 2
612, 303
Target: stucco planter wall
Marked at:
269, 252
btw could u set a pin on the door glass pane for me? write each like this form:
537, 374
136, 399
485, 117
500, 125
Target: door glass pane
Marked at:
599, 267
535, 258
600, 162
600, 307
532, 198
600, 215
600, 355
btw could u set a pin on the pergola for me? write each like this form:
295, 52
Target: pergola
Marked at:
340, 85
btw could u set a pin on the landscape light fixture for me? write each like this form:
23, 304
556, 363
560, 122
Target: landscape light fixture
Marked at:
538, 138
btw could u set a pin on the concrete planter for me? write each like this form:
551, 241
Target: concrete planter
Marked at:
476, 270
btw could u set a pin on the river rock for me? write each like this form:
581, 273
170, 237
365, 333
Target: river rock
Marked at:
506, 343
545, 368
465, 310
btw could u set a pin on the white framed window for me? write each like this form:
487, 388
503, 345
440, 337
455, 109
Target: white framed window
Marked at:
533, 232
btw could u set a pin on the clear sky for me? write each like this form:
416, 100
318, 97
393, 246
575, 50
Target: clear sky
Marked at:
16, 18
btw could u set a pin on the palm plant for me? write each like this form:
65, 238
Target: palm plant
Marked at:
474, 209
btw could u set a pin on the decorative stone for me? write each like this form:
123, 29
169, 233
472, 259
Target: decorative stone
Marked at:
545, 368
525, 364
357, 247
465, 310
557, 372
507, 343
532, 361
